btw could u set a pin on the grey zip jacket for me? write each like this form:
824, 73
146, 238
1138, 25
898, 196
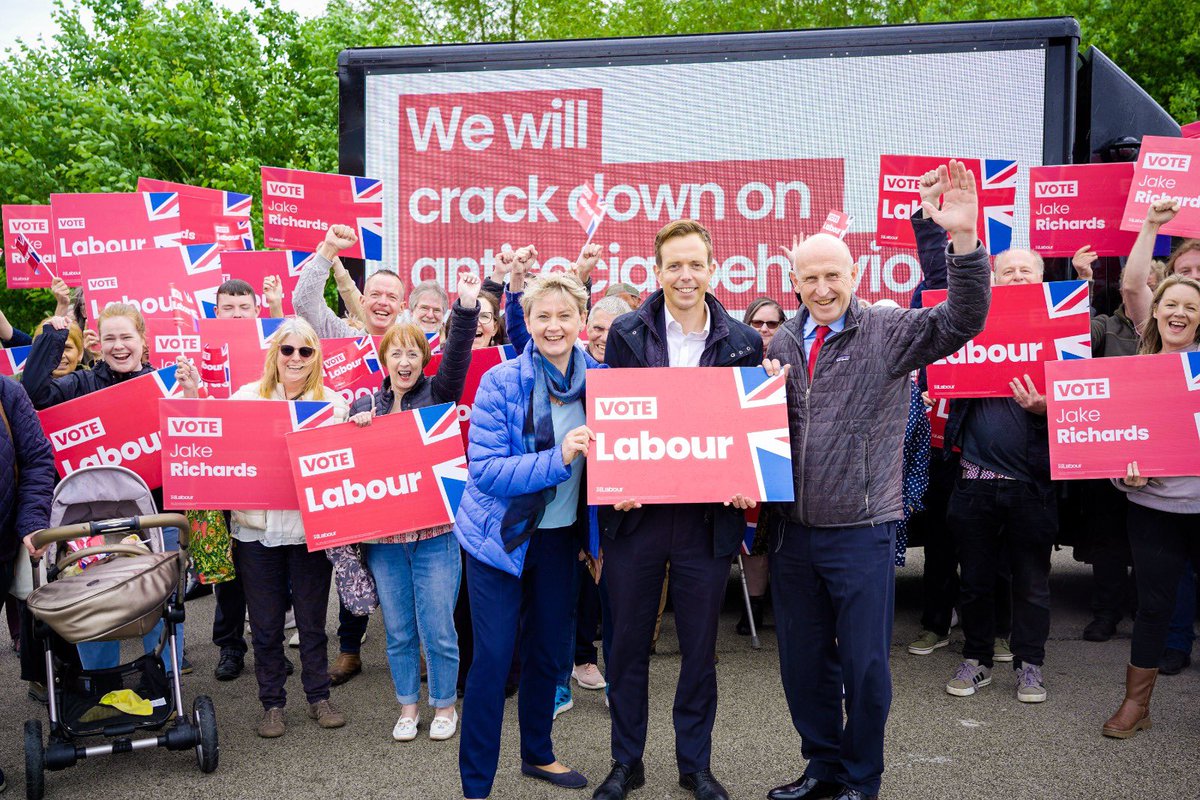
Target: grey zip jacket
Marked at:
847, 424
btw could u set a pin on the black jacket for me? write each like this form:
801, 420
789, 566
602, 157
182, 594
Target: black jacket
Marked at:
25, 501
45, 390
444, 387
639, 339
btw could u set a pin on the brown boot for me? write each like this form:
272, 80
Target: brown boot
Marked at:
346, 667
1134, 713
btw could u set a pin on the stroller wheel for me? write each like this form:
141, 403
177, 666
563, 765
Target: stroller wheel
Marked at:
204, 717
35, 761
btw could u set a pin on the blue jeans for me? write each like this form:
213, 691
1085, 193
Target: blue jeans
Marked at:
1182, 633
104, 655
418, 587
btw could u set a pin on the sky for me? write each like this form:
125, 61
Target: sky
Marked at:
30, 19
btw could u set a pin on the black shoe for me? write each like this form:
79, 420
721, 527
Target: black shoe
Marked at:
805, 788
567, 780
703, 785
756, 608
1174, 662
230, 666
1099, 630
288, 666
622, 779
854, 794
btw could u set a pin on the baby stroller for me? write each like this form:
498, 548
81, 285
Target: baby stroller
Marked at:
125, 590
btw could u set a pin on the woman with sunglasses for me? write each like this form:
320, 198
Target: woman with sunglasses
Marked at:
269, 550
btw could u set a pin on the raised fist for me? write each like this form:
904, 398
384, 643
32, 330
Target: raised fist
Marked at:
340, 237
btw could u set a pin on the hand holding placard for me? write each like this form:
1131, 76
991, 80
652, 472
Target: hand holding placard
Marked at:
188, 377
577, 442
1082, 262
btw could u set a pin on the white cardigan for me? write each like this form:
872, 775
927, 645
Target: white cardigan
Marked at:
275, 528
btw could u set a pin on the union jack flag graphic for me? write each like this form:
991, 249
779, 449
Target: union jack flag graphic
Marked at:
1191, 370
435, 342
161, 205
296, 259
12, 360
370, 236
757, 389
309, 414
751, 528
246, 234
198, 258
1066, 298
438, 422
366, 349
267, 326
237, 204
1069, 348
165, 380
998, 195
30, 254
772, 454
452, 482
367, 190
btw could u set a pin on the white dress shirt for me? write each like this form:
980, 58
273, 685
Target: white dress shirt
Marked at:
685, 349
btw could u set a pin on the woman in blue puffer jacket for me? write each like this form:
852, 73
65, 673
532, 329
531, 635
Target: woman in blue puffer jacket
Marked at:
522, 522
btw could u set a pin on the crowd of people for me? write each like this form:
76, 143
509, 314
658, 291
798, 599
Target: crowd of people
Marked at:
512, 588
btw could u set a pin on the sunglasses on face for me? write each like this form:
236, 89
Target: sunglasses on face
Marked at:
287, 350
769, 324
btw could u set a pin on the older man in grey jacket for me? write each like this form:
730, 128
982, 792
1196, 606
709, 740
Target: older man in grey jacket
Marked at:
831, 552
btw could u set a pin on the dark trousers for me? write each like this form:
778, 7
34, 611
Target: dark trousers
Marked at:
939, 582
1107, 549
229, 621
1163, 545
1181, 634
996, 521
351, 629
266, 574
834, 598
587, 617
466, 639
635, 564
532, 611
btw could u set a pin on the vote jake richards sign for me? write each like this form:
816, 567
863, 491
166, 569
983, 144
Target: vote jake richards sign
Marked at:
688, 435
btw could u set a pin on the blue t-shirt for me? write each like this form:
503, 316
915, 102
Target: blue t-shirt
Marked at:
563, 508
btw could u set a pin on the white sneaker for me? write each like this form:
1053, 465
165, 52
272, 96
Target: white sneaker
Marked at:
406, 728
294, 641
588, 676
443, 728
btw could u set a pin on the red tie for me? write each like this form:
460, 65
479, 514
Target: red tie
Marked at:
822, 332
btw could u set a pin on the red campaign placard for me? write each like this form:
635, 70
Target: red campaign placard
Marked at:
939, 415
900, 198
168, 340
1075, 205
117, 426
1166, 167
1107, 412
209, 215
231, 453
1026, 325
246, 343
253, 266
144, 278
298, 206
351, 366
655, 443
37, 226
482, 360
403, 472
87, 224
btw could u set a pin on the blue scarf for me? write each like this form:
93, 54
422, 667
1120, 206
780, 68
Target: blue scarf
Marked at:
524, 512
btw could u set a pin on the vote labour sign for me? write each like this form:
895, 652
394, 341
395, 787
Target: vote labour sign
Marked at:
351, 366
298, 206
243, 346
209, 215
1026, 325
37, 226
1106, 412
168, 340
144, 278
1080, 204
231, 453
253, 266
900, 198
85, 224
688, 435
117, 426
482, 360
404, 472
1166, 167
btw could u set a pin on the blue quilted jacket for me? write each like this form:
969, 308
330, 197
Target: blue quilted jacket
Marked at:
499, 468
24, 503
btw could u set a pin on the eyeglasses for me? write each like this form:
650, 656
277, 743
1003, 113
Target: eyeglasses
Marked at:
486, 316
305, 352
769, 324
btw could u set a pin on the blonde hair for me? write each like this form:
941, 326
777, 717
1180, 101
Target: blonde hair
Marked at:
129, 312
1151, 338
314, 385
404, 334
560, 282
74, 334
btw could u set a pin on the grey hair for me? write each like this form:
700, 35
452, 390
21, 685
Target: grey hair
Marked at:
425, 287
612, 305
621, 288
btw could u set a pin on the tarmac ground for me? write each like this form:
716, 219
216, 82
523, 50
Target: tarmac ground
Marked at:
937, 746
